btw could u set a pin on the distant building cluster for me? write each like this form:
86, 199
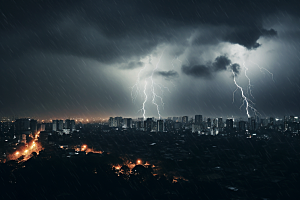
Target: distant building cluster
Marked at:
24, 135
23, 128
20, 130
208, 126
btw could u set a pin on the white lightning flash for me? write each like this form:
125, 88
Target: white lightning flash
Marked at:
249, 91
248, 102
135, 89
145, 100
262, 69
154, 95
136, 86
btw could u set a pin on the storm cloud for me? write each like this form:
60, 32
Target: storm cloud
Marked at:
127, 29
133, 65
167, 74
221, 63
82, 56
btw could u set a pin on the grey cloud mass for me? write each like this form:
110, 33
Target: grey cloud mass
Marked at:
127, 29
221, 63
167, 74
133, 65
79, 57
235, 68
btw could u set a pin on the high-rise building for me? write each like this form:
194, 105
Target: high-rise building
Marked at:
242, 125
169, 125
54, 125
160, 125
33, 126
208, 122
148, 124
253, 124
185, 119
67, 124
127, 123
112, 122
60, 125
23, 125
198, 119
196, 128
139, 125
119, 121
72, 125
215, 122
220, 123
229, 124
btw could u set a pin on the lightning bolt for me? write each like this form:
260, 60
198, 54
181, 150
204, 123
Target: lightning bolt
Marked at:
249, 81
154, 95
145, 100
262, 68
150, 83
248, 102
136, 86
233, 94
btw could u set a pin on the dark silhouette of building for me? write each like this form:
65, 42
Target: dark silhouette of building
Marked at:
148, 124
33, 126
220, 123
160, 126
23, 126
208, 122
185, 119
253, 124
127, 123
198, 119
229, 124
242, 125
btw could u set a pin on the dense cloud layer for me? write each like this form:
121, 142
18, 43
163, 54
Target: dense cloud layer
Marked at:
221, 63
81, 56
167, 74
111, 31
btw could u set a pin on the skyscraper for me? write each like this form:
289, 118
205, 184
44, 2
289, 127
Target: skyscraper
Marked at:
23, 125
242, 125
253, 124
148, 124
185, 119
220, 123
229, 124
72, 125
54, 125
208, 122
160, 126
127, 123
198, 119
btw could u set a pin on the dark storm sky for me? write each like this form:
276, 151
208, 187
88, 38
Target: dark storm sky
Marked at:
72, 58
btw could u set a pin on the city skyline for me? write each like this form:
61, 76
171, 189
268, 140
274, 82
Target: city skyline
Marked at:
90, 59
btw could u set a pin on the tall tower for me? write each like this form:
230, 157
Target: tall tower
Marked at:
198, 119
160, 125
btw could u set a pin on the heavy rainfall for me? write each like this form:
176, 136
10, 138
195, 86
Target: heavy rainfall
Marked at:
149, 99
